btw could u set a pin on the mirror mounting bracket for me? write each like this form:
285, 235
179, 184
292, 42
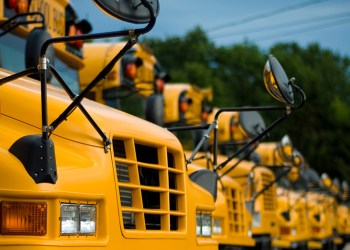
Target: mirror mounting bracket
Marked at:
133, 37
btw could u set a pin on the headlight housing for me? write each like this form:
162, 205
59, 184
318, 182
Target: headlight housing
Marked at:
217, 226
203, 224
78, 219
256, 219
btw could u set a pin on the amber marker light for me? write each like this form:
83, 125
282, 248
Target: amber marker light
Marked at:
23, 218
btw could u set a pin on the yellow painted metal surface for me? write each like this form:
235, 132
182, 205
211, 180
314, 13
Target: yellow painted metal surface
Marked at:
88, 175
195, 96
230, 210
98, 55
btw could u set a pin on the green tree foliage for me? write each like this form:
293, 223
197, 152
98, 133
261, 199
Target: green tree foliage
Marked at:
319, 129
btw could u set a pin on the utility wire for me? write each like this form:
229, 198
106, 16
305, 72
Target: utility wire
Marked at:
284, 25
264, 15
309, 29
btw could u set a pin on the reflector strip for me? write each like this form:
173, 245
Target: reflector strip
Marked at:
23, 218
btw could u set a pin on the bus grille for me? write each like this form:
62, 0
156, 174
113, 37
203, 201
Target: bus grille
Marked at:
234, 199
151, 186
269, 194
302, 225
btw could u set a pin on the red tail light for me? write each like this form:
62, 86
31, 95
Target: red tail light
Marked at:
183, 106
160, 85
130, 71
74, 31
20, 6
205, 116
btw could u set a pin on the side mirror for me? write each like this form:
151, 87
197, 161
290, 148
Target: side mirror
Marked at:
335, 186
129, 11
285, 149
155, 109
311, 177
298, 163
251, 123
326, 181
277, 82
298, 159
35, 40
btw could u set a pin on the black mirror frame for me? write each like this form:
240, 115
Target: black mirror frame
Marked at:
128, 11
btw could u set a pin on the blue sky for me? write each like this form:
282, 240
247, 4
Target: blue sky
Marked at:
226, 22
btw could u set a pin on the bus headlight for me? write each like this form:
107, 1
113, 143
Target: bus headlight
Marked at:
256, 219
78, 219
87, 219
69, 218
203, 224
217, 227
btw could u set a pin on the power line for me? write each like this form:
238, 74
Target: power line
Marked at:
284, 25
264, 15
309, 29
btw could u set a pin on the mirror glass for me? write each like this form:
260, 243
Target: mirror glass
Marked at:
345, 190
127, 10
251, 123
326, 181
335, 186
285, 149
277, 82
298, 159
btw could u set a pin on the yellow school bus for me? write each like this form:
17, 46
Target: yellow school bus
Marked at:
134, 85
292, 208
231, 220
344, 213
333, 193
69, 186
254, 179
186, 104
20, 46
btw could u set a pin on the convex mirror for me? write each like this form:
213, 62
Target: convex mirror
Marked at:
251, 123
127, 10
285, 149
326, 181
238, 126
298, 163
277, 82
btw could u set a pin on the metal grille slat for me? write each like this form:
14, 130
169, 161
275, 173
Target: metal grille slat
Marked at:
151, 188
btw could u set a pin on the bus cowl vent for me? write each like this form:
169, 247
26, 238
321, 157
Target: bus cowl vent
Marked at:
38, 157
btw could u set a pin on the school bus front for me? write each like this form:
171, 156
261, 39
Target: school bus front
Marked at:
136, 195
261, 204
230, 223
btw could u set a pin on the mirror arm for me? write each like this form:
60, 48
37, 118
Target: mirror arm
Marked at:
136, 32
240, 159
279, 177
300, 92
11, 23
258, 137
15, 76
184, 128
46, 130
64, 85
201, 142
78, 99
